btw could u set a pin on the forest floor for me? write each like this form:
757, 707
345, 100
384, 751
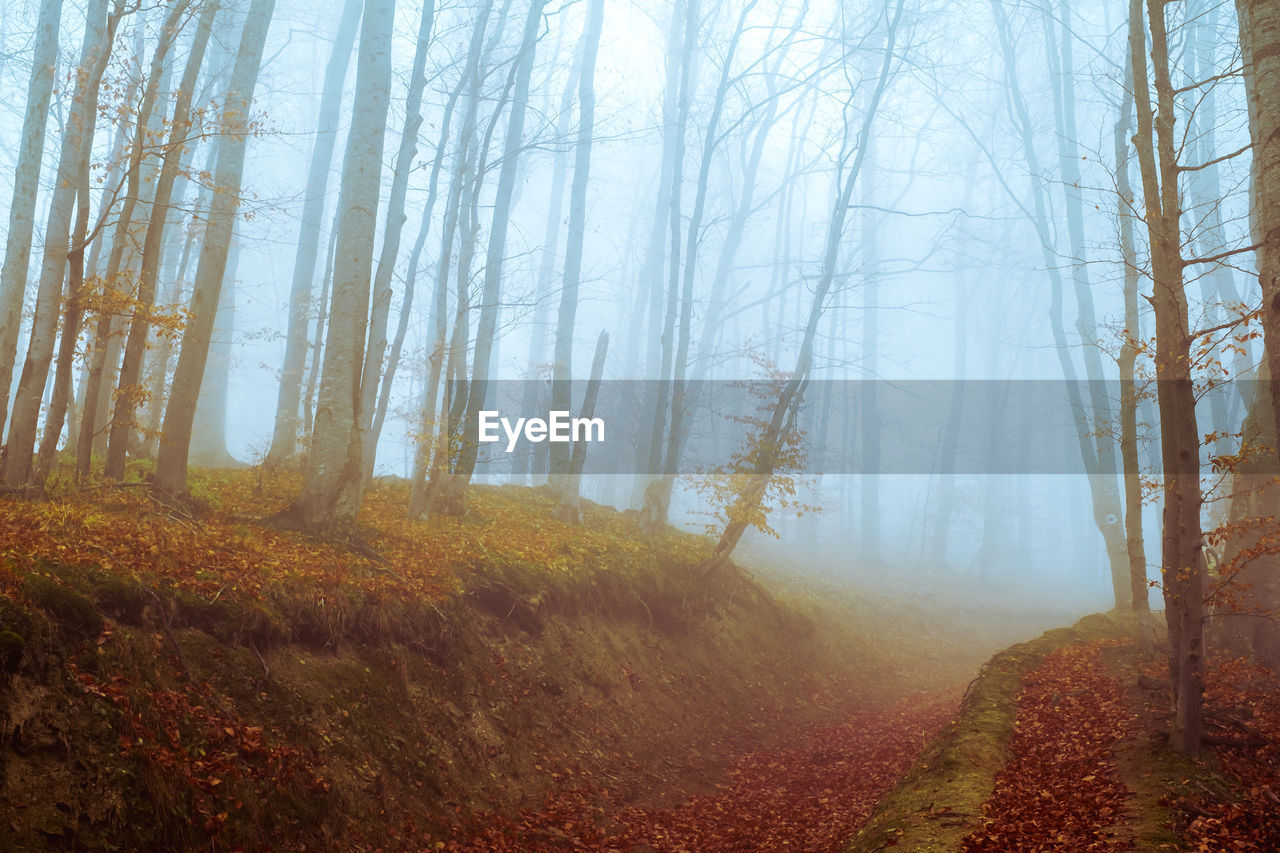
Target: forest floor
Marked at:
191, 676
1062, 744
174, 678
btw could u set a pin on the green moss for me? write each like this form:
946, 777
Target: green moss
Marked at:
120, 598
75, 611
11, 646
939, 802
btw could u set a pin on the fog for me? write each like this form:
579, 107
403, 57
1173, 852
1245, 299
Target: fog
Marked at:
867, 195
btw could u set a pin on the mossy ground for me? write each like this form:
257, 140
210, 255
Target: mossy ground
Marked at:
939, 802
237, 687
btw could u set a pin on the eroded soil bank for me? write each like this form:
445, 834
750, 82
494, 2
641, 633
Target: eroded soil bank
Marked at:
159, 700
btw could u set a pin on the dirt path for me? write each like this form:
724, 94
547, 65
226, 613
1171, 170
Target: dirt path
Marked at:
1061, 789
808, 796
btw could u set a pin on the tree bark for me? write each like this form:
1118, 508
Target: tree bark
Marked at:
334, 485
1182, 562
26, 183
76, 148
284, 437
562, 369
171, 461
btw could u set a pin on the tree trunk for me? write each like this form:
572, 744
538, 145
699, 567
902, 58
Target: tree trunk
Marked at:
785, 408
127, 395
334, 485
1260, 42
562, 370
171, 462
453, 501
26, 183
377, 346
77, 143
209, 429
284, 437
657, 493
681, 398
1096, 451
431, 454
1128, 358
533, 395
570, 489
1182, 562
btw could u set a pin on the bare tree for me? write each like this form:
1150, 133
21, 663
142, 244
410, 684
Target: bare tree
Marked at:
99, 33
1182, 562
284, 438
334, 483
26, 181
127, 394
175, 446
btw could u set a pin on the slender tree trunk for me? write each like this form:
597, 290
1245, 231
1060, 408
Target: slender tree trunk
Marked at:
171, 462
681, 398
869, 409
1255, 492
562, 372
1260, 42
127, 395
1128, 358
148, 123
570, 488
1182, 561
533, 392
752, 493
334, 485
431, 455
658, 492
453, 499
1096, 451
76, 148
209, 429
284, 437
26, 182
377, 346
322, 324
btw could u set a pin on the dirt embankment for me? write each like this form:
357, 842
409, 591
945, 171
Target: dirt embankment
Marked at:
138, 714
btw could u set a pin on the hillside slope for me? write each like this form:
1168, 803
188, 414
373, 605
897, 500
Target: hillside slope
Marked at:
177, 680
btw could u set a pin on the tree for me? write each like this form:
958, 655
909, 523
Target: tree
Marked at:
284, 438
175, 446
1134, 544
1260, 43
1182, 562
771, 441
76, 144
370, 403
1097, 449
127, 394
334, 483
451, 497
149, 118
433, 442
26, 181
562, 373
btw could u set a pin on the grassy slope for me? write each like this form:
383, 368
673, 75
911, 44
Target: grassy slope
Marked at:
939, 803
168, 680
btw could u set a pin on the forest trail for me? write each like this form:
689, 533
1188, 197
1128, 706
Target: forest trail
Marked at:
811, 794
